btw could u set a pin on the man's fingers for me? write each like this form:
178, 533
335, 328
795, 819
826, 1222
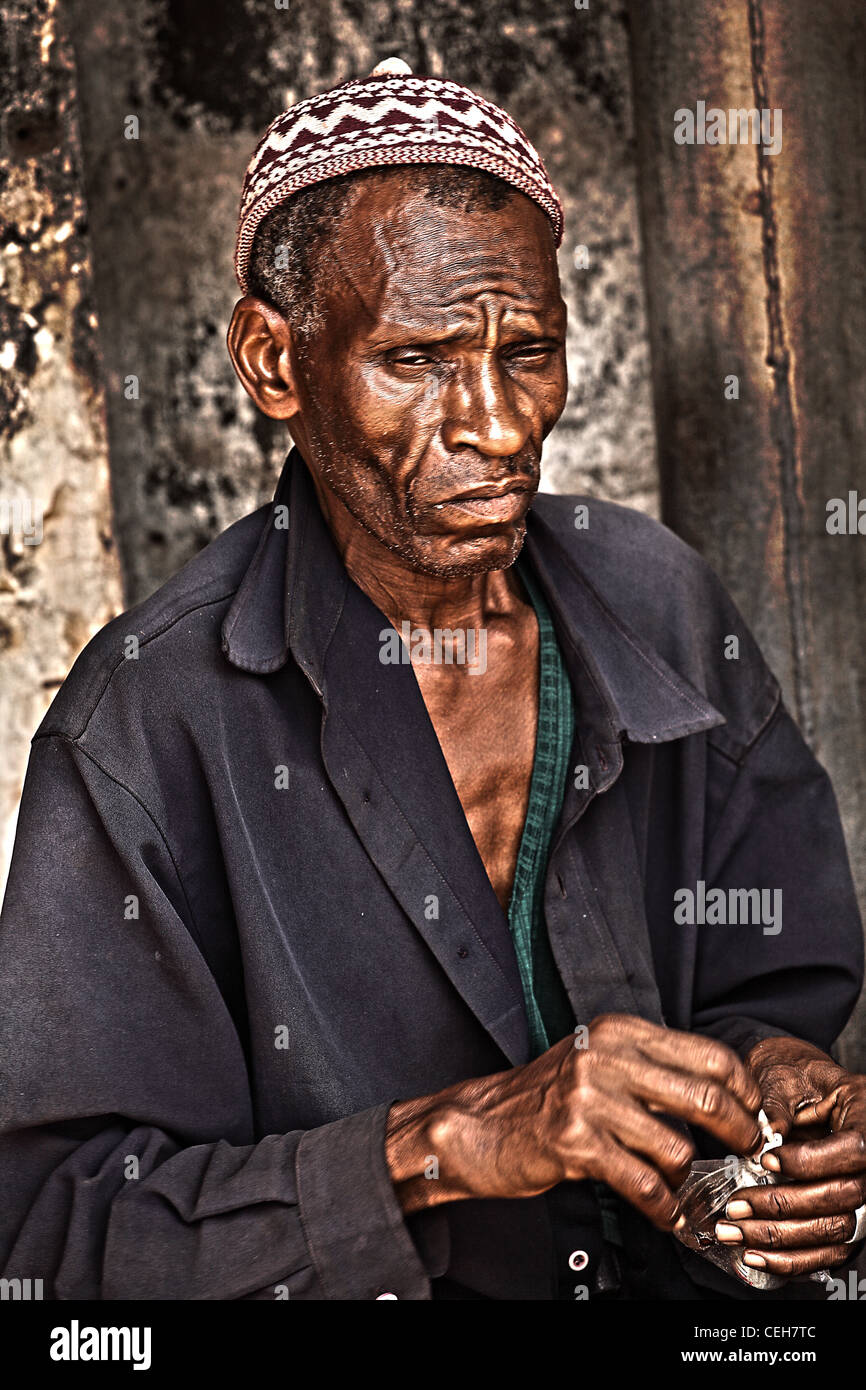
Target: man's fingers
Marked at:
697, 1099
667, 1149
788, 1235
701, 1057
644, 1188
690, 1053
844, 1152
817, 1111
790, 1262
787, 1201
781, 1111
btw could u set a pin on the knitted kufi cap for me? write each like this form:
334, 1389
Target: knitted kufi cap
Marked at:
390, 117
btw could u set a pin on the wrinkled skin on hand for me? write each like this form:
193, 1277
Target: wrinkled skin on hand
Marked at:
615, 1110
803, 1223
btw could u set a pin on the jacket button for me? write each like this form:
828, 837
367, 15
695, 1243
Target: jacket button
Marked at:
462, 952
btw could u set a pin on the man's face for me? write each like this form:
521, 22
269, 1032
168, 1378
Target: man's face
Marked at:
438, 372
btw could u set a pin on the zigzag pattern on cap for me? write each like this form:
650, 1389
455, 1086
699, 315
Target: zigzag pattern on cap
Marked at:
381, 120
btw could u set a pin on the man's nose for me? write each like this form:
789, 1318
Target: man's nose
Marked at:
485, 410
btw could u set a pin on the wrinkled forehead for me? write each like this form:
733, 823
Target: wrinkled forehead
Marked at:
396, 252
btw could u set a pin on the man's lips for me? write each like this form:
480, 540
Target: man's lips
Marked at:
494, 504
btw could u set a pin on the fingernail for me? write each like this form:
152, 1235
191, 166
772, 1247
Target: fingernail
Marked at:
770, 1161
681, 1223
728, 1233
738, 1211
756, 1261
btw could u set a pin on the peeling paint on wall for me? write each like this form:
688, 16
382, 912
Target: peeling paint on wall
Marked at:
59, 574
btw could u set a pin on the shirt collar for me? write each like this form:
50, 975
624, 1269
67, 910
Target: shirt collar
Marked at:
291, 596
293, 592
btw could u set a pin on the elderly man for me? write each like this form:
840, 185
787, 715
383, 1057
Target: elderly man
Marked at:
343, 963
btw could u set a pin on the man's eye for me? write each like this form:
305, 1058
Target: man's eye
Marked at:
412, 359
532, 350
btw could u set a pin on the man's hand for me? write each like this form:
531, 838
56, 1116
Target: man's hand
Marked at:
573, 1113
802, 1224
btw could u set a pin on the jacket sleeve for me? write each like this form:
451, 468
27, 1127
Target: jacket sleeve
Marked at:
128, 1159
798, 971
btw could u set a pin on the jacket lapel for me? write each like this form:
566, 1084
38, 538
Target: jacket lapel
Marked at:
385, 763
623, 688
604, 954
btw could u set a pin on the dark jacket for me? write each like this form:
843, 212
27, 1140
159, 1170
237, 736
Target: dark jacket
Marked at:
218, 962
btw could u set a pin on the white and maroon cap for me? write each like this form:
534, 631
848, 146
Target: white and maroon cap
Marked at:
390, 117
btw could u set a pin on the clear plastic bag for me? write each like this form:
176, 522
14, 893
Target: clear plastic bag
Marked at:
709, 1187
703, 1197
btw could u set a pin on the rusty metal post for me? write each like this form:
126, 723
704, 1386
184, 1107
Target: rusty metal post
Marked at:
754, 272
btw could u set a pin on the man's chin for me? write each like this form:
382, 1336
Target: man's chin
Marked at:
462, 558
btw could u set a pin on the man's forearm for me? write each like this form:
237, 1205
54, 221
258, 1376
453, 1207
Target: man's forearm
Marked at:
575, 1113
421, 1139
427, 1141
412, 1139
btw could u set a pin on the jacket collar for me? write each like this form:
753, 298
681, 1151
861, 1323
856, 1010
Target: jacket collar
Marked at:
295, 588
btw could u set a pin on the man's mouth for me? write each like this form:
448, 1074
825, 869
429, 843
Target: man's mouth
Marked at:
494, 504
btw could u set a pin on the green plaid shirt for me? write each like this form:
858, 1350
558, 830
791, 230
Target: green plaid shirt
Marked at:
549, 1013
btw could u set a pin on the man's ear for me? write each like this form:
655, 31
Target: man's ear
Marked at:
259, 341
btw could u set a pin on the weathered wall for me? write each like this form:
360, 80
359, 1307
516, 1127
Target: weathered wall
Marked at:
204, 80
59, 577
755, 268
